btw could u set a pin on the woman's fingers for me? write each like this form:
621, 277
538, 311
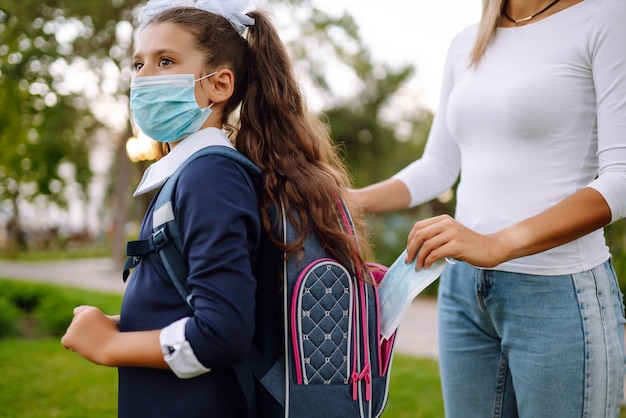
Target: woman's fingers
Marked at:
426, 238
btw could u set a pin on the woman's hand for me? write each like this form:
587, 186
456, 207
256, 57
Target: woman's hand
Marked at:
577, 215
90, 333
442, 236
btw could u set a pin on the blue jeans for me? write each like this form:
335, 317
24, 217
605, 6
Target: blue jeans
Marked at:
519, 345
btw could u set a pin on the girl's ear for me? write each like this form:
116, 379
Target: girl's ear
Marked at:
221, 86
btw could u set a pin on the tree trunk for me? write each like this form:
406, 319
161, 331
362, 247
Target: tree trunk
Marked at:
121, 198
14, 235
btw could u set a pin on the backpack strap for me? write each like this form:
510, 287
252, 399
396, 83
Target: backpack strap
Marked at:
165, 238
166, 241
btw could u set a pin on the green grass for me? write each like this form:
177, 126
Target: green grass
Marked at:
40, 379
414, 391
84, 251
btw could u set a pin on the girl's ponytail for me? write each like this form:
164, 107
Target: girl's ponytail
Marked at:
293, 148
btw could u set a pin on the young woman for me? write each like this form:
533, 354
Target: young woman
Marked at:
194, 68
533, 117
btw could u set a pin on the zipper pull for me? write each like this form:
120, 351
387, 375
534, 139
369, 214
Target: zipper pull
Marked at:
368, 387
354, 379
367, 376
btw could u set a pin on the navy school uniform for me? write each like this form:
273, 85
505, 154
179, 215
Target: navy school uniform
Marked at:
217, 212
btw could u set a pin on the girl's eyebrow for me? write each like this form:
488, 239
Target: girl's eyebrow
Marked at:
164, 51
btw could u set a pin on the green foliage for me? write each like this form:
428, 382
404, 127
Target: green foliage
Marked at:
43, 124
9, 317
54, 313
616, 240
25, 296
46, 122
36, 310
327, 48
28, 299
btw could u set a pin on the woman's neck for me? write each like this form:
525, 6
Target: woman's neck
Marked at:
519, 9
521, 12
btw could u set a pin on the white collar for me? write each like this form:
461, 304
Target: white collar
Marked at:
157, 173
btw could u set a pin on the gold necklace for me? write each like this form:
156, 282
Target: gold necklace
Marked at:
526, 19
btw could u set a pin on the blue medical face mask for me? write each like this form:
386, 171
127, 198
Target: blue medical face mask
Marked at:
165, 108
400, 286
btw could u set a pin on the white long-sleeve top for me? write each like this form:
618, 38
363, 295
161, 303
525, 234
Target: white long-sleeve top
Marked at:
541, 116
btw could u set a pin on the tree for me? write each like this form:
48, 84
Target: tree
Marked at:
327, 51
47, 121
41, 127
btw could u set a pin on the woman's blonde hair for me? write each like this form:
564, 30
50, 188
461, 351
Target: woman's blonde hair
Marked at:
491, 15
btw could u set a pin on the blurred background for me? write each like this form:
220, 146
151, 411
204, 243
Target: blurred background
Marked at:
70, 158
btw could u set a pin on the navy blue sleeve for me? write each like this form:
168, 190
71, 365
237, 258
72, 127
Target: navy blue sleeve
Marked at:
217, 214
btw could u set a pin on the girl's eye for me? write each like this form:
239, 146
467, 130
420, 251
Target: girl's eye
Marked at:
137, 66
164, 62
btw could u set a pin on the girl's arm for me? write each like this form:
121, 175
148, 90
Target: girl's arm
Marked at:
96, 337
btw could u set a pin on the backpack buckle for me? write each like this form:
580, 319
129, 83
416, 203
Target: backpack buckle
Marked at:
159, 239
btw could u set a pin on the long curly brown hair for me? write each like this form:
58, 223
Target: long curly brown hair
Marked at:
302, 170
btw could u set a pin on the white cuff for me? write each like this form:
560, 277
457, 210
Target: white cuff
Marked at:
178, 353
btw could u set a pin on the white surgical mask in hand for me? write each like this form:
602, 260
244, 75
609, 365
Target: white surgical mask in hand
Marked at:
400, 286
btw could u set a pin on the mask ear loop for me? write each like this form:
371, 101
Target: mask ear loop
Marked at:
205, 76
204, 109
202, 78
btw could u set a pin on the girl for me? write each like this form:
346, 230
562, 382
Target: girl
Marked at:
173, 361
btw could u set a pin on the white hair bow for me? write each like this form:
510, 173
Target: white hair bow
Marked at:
231, 10
155, 7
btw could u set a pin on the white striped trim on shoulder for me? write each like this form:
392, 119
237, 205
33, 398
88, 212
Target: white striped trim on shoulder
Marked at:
162, 215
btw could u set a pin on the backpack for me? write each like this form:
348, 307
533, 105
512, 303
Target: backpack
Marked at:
337, 362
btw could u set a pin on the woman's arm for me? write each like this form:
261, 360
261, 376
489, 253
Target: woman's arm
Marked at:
385, 196
572, 218
585, 211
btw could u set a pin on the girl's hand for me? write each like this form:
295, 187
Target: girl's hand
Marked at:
90, 333
115, 319
442, 236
